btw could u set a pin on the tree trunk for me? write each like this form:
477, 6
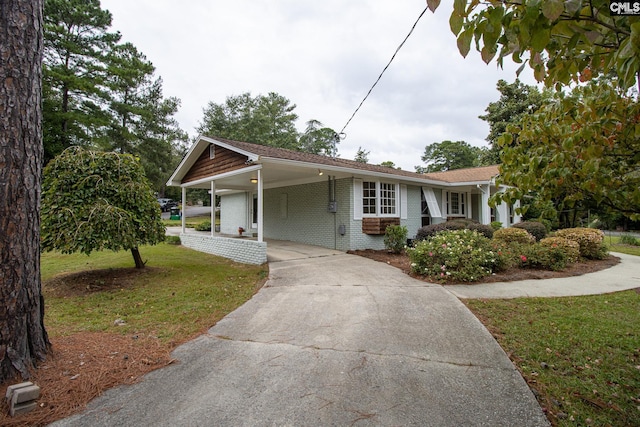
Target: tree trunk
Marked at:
137, 258
23, 338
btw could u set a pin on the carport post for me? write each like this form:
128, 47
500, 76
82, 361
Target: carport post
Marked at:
182, 215
260, 210
213, 207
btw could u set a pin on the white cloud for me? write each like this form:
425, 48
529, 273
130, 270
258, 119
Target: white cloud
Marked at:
324, 57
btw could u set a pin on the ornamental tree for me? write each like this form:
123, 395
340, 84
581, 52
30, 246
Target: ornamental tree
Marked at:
583, 148
580, 150
94, 201
561, 41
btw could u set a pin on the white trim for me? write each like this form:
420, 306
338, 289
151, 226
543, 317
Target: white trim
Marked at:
503, 214
222, 176
213, 208
403, 202
260, 207
183, 205
252, 156
357, 199
432, 202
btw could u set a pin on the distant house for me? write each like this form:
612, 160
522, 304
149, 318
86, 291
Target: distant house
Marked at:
274, 193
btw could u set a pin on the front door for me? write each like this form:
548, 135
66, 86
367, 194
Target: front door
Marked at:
254, 211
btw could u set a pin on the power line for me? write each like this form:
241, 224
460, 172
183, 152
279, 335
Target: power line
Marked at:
385, 69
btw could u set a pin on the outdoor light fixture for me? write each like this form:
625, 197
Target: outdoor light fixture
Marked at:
254, 180
320, 172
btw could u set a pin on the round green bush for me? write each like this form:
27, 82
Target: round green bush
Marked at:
203, 226
513, 235
172, 240
591, 241
457, 255
571, 248
543, 257
395, 238
535, 228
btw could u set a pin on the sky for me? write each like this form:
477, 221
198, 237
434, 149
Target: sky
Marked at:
323, 56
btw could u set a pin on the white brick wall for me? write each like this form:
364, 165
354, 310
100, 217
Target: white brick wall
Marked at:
300, 214
234, 213
239, 250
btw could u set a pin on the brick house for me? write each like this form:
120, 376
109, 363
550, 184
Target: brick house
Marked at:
274, 193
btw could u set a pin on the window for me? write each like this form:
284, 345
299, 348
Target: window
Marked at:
387, 199
379, 197
212, 151
424, 210
456, 203
369, 198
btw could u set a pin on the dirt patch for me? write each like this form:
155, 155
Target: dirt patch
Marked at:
92, 281
402, 262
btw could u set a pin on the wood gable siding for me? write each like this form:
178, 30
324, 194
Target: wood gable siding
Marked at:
224, 160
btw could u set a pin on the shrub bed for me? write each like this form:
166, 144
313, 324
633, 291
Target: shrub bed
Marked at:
591, 241
395, 238
536, 229
571, 248
513, 235
455, 224
457, 255
544, 257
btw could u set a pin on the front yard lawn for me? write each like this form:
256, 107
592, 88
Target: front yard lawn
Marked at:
581, 355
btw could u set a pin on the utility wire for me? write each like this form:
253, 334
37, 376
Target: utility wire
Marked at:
385, 69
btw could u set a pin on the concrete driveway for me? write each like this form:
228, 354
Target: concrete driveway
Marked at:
332, 340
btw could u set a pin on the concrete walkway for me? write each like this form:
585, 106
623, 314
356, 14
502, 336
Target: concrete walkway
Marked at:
331, 340
623, 276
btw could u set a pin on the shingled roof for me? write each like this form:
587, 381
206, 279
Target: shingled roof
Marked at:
484, 173
282, 153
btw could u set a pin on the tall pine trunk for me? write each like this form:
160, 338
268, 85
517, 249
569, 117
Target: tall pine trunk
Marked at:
23, 338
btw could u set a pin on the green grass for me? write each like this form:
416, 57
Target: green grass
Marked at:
581, 354
191, 221
615, 246
180, 294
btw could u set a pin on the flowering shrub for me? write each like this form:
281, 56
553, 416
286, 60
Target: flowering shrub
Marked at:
570, 248
536, 229
591, 241
395, 238
513, 235
544, 257
457, 255
505, 255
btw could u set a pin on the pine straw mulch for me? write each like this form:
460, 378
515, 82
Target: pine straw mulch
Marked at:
82, 366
